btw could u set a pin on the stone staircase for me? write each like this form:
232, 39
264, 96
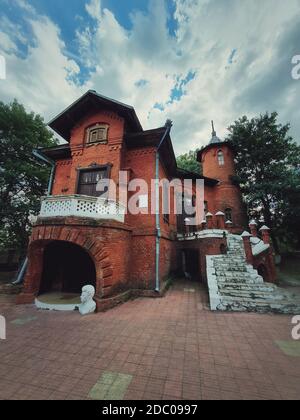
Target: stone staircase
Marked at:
235, 285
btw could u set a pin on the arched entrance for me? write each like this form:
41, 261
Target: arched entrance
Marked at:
191, 264
67, 268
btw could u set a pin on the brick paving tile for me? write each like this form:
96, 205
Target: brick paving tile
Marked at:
169, 348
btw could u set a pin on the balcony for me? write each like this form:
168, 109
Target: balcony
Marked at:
82, 206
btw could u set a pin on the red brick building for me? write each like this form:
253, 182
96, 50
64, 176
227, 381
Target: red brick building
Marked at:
79, 239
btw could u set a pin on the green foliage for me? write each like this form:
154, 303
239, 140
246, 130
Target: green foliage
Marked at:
188, 161
23, 180
267, 163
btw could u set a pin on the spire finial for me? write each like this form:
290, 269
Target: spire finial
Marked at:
213, 129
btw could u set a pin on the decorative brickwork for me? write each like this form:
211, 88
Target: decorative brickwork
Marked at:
124, 250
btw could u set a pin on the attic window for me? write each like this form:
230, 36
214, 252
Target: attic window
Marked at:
97, 134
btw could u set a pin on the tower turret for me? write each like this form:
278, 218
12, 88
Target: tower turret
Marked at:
217, 159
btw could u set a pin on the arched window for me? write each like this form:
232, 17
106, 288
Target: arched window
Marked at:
228, 215
221, 160
97, 134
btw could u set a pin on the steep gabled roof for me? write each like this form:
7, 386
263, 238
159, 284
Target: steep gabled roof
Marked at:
144, 138
152, 138
91, 100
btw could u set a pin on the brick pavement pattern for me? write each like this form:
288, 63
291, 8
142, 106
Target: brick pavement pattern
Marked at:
153, 349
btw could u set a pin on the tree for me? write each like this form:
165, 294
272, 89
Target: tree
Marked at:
267, 163
188, 161
23, 180
290, 227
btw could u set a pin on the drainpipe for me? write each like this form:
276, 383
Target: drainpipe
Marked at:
168, 126
39, 155
21, 272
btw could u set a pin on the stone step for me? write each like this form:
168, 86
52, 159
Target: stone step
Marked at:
237, 250
258, 305
264, 287
229, 262
234, 245
250, 295
229, 269
275, 298
250, 282
243, 275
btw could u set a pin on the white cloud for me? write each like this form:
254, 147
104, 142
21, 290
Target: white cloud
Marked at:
6, 43
263, 34
94, 9
43, 80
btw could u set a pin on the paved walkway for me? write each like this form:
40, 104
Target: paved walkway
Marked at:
169, 348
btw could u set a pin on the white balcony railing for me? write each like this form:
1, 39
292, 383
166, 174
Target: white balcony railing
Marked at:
82, 206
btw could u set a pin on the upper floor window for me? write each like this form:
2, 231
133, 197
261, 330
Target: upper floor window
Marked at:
221, 159
228, 215
89, 181
97, 134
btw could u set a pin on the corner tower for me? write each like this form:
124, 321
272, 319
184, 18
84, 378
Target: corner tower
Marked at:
217, 159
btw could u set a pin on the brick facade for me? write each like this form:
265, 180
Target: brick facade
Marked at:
124, 254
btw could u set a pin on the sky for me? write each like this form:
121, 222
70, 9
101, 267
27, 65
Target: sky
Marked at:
192, 61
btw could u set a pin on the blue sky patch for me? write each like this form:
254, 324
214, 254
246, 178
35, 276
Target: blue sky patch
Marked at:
141, 83
179, 89
124, 9
232, 55
159, 106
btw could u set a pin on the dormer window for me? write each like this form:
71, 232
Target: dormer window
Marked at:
97, 134
221, 159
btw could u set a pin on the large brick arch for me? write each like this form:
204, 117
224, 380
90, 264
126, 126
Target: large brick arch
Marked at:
92, 244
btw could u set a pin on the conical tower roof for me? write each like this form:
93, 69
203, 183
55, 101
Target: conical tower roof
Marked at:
214, 138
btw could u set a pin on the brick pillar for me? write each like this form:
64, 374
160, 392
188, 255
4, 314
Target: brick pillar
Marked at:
253, 228
187, 226
265, 231
33, 274
209, 218
247, 245
203, 225
228, 225
220, 220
